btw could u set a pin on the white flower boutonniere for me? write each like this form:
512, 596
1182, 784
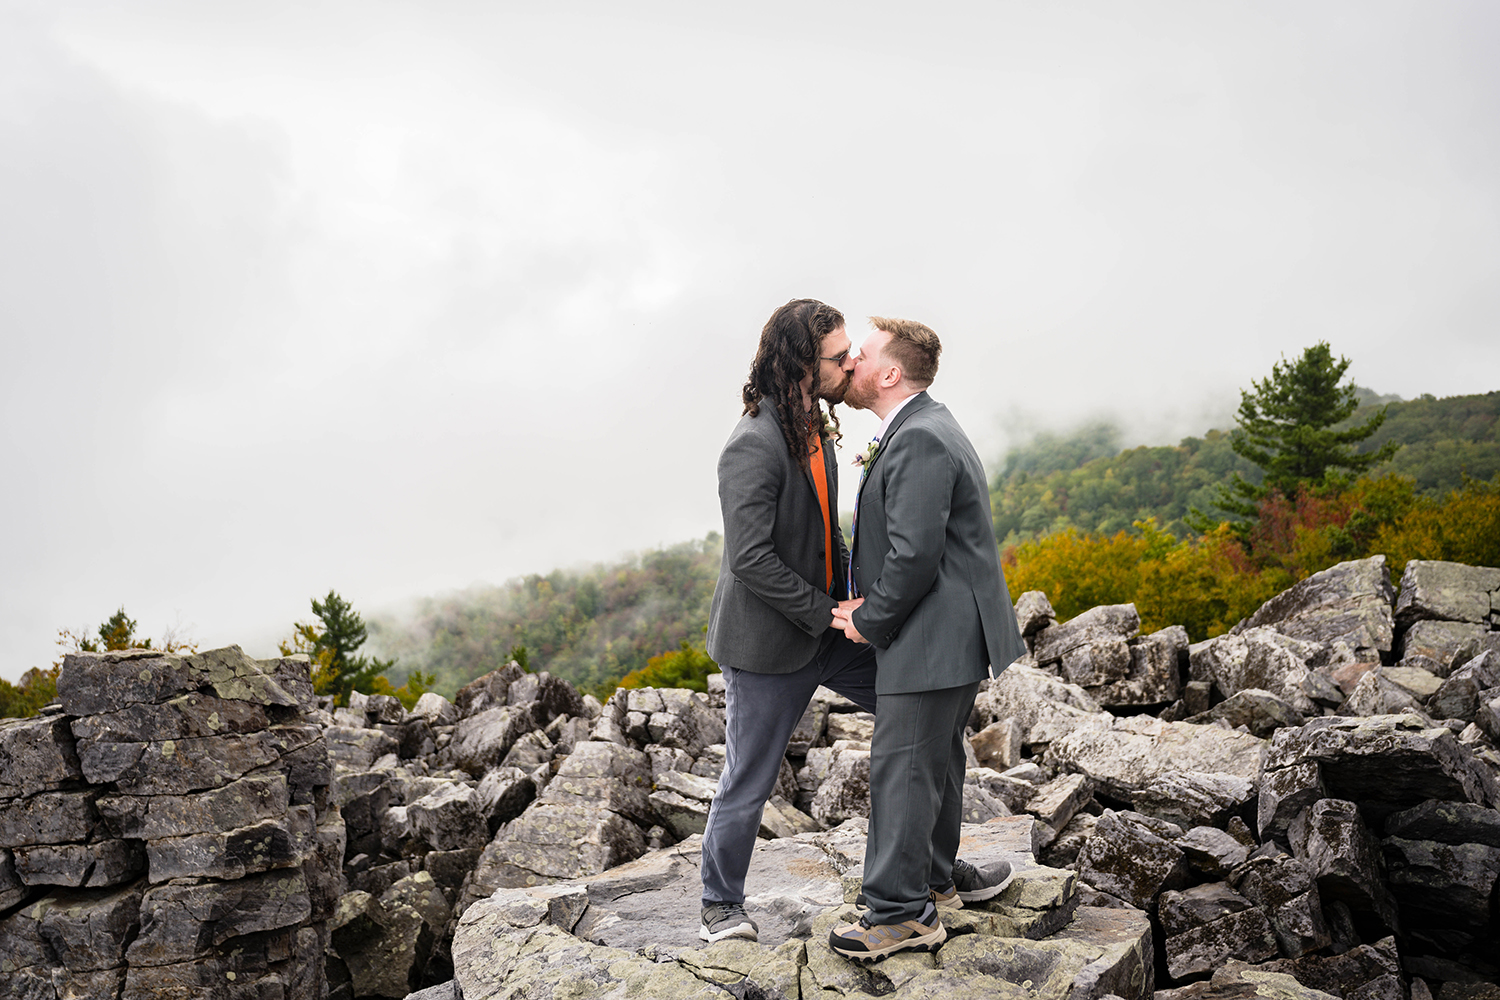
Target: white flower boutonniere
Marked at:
869, 455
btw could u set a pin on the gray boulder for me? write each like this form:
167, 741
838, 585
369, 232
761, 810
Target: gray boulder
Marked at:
1286, 889
1447, 823
1034, 613
1097, 663
1194, 798
1457, 697
530, 751
1045, 707
1100, 624
856, 727
1444, 890
449, 818
1212, 852
36, 754
1286, 793
482, 739
184, 921
604, 776
490, 691
845, 790
998, 745
1259, 711
282, 841
1152, 675
1333, 840
1350, 602
1391, 760
435, 709
1447, 591
1127, 860
503, 794
358, 749
1434, 644
1210, 924
1264, 659
681, 800
1055, 803
1124, 758
1373, 694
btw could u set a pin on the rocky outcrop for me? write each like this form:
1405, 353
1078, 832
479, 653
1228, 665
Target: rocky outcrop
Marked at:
168, 831
632, 931
1304, 806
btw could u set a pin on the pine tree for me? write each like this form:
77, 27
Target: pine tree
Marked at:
1286, 426
333, 648
119, 633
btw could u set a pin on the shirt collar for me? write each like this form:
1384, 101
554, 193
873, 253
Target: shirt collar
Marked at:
884, 424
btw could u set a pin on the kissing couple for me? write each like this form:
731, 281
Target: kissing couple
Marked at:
904, 620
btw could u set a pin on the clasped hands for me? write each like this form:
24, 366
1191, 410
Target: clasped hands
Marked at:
843, 618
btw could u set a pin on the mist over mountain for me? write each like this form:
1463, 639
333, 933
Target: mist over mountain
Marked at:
594, 624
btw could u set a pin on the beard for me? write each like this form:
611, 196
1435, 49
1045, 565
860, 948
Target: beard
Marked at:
835, 392
860, 395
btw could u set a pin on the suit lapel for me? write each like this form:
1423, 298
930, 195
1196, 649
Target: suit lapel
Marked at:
920, 402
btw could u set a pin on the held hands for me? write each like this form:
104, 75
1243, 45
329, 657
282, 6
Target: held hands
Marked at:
843, 618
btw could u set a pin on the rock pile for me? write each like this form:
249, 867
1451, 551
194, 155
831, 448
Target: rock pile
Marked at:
167, 832
1305, 806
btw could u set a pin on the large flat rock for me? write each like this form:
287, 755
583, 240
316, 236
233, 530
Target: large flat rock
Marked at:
632, 931
1125, 758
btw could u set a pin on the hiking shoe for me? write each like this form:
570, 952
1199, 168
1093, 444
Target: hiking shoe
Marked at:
727, 920
946, 899
974, 885
867, 942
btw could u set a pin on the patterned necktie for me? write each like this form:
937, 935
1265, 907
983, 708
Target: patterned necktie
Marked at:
864, 470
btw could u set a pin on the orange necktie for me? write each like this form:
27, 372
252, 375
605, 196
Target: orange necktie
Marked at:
820, 482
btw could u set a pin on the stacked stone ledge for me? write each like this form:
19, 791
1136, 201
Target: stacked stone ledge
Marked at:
1304, 806
167, 832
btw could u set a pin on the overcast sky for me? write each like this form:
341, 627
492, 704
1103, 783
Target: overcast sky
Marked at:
400, 297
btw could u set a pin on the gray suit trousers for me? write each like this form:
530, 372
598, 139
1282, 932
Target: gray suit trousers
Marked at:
761, 710
916, 799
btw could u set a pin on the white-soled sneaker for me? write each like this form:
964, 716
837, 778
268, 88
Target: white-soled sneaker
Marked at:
974, 885
727, 920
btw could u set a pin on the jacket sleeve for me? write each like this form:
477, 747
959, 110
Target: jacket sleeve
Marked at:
750, 483
918, 475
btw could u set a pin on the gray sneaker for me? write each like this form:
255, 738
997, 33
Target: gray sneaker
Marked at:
727, 920
974, 885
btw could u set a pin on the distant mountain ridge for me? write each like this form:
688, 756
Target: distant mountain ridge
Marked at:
1061, 481
594, 625
590, 626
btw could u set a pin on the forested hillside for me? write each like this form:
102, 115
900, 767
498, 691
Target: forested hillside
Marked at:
1083, 481
595, 625
591, 626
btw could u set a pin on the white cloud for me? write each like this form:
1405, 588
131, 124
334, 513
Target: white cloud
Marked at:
395, 298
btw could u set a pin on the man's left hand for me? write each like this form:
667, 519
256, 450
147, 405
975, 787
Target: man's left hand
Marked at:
843, 617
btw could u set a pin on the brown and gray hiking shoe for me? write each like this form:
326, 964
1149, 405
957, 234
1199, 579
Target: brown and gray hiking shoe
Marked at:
866, 942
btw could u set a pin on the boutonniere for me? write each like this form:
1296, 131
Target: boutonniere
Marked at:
869, 455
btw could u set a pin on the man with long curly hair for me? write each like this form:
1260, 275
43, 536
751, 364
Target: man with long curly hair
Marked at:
783, 574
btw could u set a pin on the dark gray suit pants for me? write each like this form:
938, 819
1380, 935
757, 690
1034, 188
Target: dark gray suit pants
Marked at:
760, 711
916, 799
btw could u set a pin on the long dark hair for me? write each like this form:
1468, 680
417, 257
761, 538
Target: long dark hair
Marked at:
790, 345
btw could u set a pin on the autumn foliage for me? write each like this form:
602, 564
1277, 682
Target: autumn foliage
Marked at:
1210, 582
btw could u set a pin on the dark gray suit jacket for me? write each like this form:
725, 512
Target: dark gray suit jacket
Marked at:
769, 610
936, 606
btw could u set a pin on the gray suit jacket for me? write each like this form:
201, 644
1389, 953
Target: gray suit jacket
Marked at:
936, 606
769, 610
